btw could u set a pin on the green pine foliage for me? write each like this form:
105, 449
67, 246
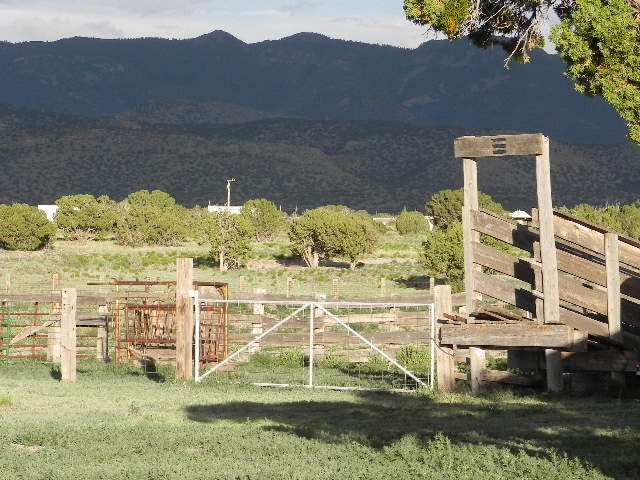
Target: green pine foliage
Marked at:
24, 227
265, 217
151, 218
445, 206
411, 222
333, 232
85, 217
600, 42
230, 237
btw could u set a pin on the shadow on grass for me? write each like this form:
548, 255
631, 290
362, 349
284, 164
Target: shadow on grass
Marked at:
417, 282
602, 433
55, 372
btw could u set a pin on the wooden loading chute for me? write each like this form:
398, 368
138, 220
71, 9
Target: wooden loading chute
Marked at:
573, 292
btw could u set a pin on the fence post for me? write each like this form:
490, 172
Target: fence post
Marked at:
289, 286
68, 336
184, 318
478, 361
445, 366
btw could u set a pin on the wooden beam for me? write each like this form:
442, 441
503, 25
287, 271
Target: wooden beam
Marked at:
470, 237
477, 373
600, 361
68, 335
553, 362
504, 230
503, 335
184, 318
509, 378
547, 241
613, 285
445, 365
503, 262
500, 145
504, 291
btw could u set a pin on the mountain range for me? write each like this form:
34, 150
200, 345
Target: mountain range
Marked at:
304, 121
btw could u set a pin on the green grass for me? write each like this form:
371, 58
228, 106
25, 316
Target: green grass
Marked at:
124, 425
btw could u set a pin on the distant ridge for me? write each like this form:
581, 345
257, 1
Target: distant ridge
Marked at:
309, 75
297, 163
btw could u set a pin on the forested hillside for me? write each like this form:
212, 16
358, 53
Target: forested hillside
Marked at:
378, 166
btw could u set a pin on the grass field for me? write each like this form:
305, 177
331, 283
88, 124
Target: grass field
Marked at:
77, 263
122, 424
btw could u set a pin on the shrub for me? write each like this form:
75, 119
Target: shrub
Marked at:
411, 222
83, 217
23, 227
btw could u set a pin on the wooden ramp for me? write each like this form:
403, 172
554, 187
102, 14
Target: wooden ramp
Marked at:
557, 292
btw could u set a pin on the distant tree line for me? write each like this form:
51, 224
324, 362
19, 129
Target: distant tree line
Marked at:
329, 233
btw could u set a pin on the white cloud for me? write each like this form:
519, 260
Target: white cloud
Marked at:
265, 19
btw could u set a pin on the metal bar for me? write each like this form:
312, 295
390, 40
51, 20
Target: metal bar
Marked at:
326, 304
237, 353
363, 339
311, 319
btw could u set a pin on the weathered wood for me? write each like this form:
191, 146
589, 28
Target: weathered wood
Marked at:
504, 263
592, 236
553, 363
613, 285
477, 373
504, 291
582, 322
504, 230
68, 335
547, 242
600, 361
499, 335
184, 318
500, 145
445, 365
470, 237
509, 378
102, 343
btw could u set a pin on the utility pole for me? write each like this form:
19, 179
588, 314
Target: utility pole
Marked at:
229, 180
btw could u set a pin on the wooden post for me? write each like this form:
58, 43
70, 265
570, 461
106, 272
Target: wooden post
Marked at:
547, 241
478, 362
470, 204
613, 285
553, 362
102, 343
68, 335
55, 281
7, 283
184, 318
382, 286
289, 286
445, 366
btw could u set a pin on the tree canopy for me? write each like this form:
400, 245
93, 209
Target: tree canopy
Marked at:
598, 39
23, 227
84, 217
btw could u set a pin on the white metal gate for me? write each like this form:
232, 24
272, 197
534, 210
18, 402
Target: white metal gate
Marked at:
308, 327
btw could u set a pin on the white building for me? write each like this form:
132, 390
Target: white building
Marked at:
49, 211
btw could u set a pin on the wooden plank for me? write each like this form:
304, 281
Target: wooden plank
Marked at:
470, 237
504, 230
547, 241
579, 234
498, 145
510, 335
583, 323
509, 378
613, 285
184, 320
331, 338
504, 291
503, 262
600, 361
68, 335
445, 365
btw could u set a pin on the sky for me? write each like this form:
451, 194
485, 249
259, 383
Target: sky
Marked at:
370, 21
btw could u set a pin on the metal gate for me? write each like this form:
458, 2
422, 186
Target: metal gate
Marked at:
346, 345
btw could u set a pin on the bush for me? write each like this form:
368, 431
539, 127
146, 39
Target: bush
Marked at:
84, 217
411, 222
23, 227
151, 218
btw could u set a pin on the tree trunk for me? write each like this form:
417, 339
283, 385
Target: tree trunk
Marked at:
222, 261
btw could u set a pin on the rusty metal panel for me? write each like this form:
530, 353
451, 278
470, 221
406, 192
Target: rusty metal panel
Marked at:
499, 145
